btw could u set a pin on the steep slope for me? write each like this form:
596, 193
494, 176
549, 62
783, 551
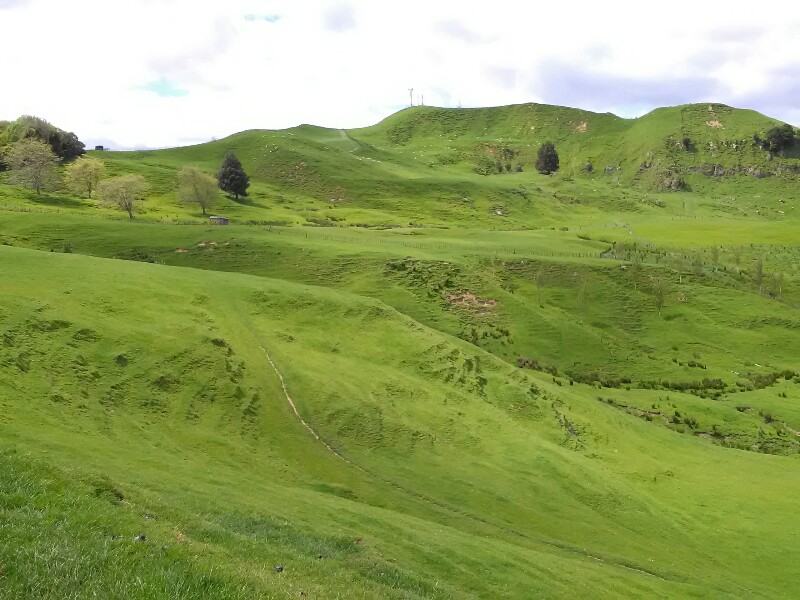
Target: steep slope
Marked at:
675, 140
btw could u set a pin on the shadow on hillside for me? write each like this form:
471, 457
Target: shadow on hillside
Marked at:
55, 200
793, 151
243, 200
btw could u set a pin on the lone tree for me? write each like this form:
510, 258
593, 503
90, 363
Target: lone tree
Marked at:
231, 176
32, 164
84, 174
779, 138
547, 160
196, 187
758, 273
659, 294
125, 192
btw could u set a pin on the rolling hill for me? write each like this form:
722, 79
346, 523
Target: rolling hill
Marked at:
401, 373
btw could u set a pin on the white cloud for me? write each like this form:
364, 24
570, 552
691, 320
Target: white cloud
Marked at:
275, 63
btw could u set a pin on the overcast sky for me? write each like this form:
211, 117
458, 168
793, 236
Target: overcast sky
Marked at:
173, 72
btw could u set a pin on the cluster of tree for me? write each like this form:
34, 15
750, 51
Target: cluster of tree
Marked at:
505, 157
777, 138
546, 161
32, 149
36, 147
196, 187
33, 165
64, 144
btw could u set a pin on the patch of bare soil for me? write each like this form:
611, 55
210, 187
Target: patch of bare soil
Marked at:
469, 300
715, 124
581, 128
642, 413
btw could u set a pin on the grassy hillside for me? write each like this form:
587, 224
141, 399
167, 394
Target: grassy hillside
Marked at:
432, 166
402, 374
147, 411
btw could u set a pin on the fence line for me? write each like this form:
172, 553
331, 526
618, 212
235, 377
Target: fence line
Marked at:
422, 245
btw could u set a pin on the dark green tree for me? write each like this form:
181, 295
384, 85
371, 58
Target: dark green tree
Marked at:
231, 176
547, 160
779, 138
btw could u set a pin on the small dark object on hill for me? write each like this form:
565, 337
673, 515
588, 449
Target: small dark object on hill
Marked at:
278, 568
140, 538
149, 516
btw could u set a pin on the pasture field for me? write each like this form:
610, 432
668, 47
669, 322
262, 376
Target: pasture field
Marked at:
400, 373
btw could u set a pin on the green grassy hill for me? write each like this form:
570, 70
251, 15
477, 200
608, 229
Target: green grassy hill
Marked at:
394, 376
435, 166
150, 389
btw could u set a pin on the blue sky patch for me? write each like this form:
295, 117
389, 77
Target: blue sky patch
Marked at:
165, 88
267, 18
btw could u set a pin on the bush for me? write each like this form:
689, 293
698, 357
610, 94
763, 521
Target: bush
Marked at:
484, 166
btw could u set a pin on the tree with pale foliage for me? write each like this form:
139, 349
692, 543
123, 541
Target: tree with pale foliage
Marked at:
196, 187
126, 192
32, 164
659, 294
84, 174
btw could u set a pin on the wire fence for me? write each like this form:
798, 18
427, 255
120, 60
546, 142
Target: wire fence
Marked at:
437, 245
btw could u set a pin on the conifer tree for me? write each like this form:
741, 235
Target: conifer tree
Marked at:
547, 160
231, 176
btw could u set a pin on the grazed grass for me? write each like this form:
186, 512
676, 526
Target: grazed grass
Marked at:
519, 417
